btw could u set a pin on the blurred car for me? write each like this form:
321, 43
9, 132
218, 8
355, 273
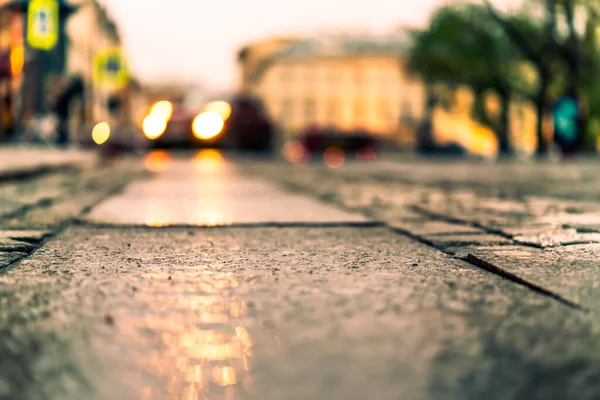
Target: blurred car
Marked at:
317, 140
169, 125
239, 123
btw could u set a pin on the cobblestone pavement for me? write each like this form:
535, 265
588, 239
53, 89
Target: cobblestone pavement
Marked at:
536, 224
34, 208
475, 284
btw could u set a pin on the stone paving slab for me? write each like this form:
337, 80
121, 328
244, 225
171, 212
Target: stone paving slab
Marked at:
77, 193
569, 271
446, 241
9, 245
280, 313
436, 228
20, 160
7, 258
24, 235
554, 238
182, 195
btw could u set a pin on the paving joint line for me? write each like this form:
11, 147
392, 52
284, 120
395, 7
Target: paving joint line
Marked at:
27, 175
487, 266
367, 224
457, 221
470, 259
59, 228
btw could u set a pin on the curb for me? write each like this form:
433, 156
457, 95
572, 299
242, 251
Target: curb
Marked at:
34, 171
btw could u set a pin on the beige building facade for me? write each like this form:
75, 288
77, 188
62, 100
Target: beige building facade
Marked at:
90, 31
346, 83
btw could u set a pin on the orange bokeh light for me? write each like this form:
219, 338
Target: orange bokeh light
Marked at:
298, 155
157, 161
334, 157
17, 60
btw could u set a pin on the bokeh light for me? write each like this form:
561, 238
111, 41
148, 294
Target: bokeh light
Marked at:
209, 161
154, 126
17, 60
366, 154
163, 108
101, 133
207, 125
220, 107
334, 157
296, 153
157, 161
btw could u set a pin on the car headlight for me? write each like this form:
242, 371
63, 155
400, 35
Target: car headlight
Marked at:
154, 126
207, 125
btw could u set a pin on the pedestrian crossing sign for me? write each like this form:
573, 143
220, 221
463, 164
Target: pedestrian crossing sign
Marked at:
42, 24
110, 69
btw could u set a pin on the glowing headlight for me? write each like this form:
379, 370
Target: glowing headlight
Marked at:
163, 108
154, 126
220, 107
207, 125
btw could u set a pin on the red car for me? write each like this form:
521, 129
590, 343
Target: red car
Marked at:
244, 127
317, 140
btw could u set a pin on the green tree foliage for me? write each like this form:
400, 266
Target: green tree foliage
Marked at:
563, 50
464, 45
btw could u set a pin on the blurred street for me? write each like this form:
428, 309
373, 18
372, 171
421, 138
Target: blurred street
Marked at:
299, 200
212, 275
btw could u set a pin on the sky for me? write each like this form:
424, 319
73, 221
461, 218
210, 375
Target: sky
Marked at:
197, 40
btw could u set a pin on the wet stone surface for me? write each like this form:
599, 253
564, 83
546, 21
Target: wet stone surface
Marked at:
569, 271
30, 236
435, 228
279, 313
213, 194
446, 241
9, 245
554, 238
6, 258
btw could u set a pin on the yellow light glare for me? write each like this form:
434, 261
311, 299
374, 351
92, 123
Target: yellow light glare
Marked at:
17, 60
163, 108
207, 125
220, 107
101, 133
154, 126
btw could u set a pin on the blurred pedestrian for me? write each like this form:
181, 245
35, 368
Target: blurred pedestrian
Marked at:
568, 126
66, 91
6, 118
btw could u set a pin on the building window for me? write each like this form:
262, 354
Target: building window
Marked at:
359, 76
286, 112
309, 75
309, 110
332, 112
333, 75
359, 111
384, 110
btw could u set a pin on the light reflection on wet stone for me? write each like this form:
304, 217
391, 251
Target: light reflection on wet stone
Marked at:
201, 347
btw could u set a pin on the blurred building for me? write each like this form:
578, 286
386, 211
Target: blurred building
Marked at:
348, 82
91, 30
26, 74
253, 59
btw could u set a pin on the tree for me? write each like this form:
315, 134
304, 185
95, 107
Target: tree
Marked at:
463, 45
560, 53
